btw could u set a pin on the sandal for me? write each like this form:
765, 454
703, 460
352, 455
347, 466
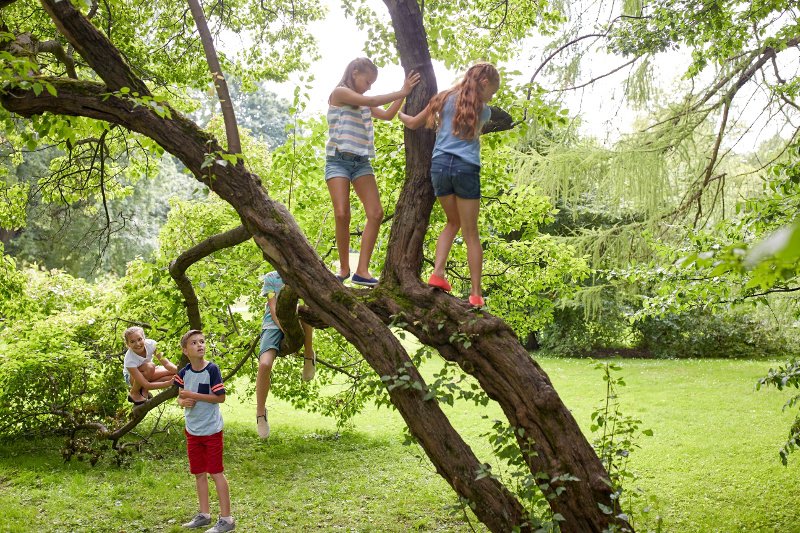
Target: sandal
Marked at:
263, 429
134, 402
309, 370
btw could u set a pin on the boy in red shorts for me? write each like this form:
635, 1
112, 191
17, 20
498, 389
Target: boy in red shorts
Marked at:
201, 392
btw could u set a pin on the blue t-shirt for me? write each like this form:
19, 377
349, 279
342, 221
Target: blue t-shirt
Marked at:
272, 286
447, 143
204, 418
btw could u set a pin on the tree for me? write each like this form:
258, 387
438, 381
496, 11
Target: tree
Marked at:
548, 437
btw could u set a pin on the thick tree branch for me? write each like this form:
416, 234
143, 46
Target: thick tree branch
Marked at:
221, 85
500, 120
178, 267
494, 356
407, 235
106, 61
55, 48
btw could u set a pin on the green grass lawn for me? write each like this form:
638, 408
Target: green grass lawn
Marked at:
712, 463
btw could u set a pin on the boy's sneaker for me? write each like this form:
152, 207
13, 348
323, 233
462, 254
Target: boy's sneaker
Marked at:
263, 428
309, 367
198, 521
221, 526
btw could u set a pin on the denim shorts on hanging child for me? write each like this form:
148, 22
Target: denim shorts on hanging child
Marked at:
452, 175
350, 166
270, 339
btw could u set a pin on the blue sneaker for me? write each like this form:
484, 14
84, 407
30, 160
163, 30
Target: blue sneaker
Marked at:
342, 278
366, 282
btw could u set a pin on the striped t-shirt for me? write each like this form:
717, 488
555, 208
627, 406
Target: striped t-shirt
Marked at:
350, 130
204, 418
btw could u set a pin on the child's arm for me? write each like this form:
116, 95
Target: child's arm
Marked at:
166, 363
183, 402
416, 121
346, 96
273, 310
210, 398
388, 114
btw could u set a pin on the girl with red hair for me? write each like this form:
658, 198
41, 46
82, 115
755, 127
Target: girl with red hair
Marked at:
458, 114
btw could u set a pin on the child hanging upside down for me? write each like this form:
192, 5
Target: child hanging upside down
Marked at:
139, 371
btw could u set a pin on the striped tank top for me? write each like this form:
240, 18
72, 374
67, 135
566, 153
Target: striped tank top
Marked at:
350, 130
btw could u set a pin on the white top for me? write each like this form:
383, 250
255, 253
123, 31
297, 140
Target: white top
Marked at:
134, 360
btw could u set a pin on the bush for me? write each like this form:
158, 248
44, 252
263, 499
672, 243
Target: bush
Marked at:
738, 332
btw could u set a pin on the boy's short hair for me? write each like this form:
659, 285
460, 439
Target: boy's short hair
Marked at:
130, 330
189, 334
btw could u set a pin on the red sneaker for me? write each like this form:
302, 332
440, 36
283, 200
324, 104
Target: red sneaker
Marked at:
476, 301
439, 283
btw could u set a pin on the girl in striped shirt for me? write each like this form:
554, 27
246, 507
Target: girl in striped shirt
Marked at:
348, 152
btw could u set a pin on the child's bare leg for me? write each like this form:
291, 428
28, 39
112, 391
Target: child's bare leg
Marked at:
136, 390
148, 370
309, 357
201, 481
263, 382
308, 337
264, 379
160, 373
223, 492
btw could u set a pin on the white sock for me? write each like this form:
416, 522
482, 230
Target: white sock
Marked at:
228, 519
205, 515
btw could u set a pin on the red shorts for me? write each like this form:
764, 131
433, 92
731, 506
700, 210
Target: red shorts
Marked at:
205, 453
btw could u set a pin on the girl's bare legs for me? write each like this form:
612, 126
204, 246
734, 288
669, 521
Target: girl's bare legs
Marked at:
339, 189
448, 234
367, 191
468, 214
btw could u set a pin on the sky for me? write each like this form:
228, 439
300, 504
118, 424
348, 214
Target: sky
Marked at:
601, 106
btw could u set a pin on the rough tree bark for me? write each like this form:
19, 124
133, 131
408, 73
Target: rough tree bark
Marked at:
495, 357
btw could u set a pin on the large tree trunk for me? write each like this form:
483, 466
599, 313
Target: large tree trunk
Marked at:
494, 357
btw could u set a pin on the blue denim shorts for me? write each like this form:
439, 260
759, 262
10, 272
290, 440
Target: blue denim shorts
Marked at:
270, 339
452, 175
350, 166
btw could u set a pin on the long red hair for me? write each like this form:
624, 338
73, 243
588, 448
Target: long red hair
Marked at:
468, 103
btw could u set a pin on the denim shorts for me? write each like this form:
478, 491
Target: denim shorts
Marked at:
270, 338
350, 166
452, 175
